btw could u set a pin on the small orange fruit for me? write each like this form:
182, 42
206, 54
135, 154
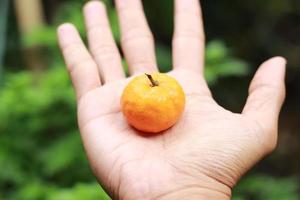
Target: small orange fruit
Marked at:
153, 103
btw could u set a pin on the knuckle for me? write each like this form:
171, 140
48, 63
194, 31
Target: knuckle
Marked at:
189, 34
272, 146
144, 65
75, 56
267, 89
105, 52
265, 95
264, 135
268, 137
72, 48
99, 29
189, 11
271, 139
137, 34
84, 62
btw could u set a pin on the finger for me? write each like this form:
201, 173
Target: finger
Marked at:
137, 40
101, 42
188, 40
267, 92
82, 68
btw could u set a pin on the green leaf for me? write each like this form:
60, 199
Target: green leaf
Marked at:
81, 191
262, 187
219, 63
64, 153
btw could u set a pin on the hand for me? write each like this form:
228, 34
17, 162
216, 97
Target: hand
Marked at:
207, 151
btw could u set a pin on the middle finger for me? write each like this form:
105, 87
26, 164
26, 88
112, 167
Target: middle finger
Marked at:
137, 40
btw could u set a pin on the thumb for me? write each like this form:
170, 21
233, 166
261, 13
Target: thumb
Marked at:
267, 93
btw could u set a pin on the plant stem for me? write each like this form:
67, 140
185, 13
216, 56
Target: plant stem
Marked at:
153, 82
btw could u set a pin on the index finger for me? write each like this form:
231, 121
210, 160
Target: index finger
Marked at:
81, 66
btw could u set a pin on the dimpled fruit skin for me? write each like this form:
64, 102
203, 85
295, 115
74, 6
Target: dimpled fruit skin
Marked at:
153, 109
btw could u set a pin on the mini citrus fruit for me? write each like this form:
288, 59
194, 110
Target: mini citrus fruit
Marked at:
153, 103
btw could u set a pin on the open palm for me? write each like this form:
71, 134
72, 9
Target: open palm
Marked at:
207, 151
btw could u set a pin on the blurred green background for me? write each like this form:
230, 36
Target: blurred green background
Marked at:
41, 155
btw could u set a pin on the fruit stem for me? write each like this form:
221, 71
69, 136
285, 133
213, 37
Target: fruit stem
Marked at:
153, 82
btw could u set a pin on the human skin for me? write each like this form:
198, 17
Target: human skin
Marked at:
207, 151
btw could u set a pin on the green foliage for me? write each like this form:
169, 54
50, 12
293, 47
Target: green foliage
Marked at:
219, 63
79, 192
40, 147
38, 190
262, 187
70, 12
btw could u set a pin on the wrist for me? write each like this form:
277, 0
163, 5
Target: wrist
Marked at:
200, 187
175, 185
191, 193
195, 193
204, 188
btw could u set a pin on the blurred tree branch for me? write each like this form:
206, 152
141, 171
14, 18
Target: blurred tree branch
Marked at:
3, 20
30, 16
